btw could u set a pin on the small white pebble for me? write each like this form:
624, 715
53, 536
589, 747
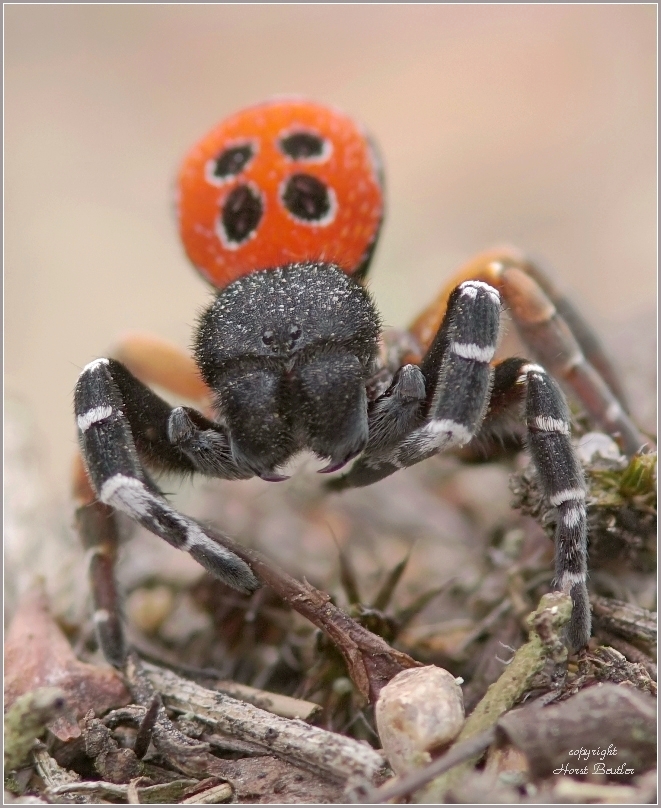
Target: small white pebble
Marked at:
553, 609
420, 709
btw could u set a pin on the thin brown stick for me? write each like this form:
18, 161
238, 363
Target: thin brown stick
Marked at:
370, 661
630, 651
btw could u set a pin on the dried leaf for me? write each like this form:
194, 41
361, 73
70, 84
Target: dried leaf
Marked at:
37, 654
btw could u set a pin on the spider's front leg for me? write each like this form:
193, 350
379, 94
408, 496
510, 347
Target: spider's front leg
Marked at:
456, 397
555, 332
121, 422
441, 404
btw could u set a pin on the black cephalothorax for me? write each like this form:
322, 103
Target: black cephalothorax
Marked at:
287, 353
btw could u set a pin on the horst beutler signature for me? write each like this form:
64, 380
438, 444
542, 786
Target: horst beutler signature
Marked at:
595, 761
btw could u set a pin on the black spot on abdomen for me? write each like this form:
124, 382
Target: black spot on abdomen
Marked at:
232, 161
302, 146
241, 215
306, 198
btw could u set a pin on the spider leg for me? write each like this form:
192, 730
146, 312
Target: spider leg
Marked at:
155, 361
97, 527
561, 479
467, 400
205, 444
121, 422
120, 419
502, 427
441, 404
557, 335
521, 388
585, 335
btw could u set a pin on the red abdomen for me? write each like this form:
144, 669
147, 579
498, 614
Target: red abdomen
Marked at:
278, 183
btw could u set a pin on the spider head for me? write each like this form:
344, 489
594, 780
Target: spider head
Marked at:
287, 353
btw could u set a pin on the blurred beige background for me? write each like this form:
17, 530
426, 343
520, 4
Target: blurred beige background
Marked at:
529, 124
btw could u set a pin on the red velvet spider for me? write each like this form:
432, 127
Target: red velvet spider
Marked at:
280, 207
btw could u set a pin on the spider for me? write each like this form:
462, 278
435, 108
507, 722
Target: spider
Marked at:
279, 207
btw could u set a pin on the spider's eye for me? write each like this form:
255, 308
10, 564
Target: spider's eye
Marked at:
306, 197
268, 337
242, 213
302, 145
294, 335
232, 161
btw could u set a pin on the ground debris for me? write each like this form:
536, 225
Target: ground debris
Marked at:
328, 754
37, 654
609, 665
628, 621
544, 649
270, 780
370, 661
112, 763
429, 568
418, 711
26, 721
568, 738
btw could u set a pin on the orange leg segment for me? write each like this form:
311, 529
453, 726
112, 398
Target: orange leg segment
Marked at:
156, 361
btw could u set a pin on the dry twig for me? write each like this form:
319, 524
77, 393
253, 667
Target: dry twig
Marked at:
371, 662
325, 753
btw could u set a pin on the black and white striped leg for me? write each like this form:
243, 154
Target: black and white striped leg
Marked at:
457, 381
503, 427
120, 419
561, 479
460, 383
524, 388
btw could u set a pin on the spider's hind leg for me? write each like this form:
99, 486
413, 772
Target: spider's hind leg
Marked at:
97, 528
